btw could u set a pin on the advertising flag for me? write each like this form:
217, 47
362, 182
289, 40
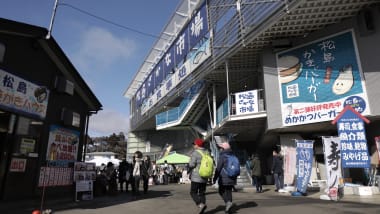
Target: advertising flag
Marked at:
304, 163
331, 148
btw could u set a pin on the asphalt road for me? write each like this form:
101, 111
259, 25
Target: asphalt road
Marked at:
175, 199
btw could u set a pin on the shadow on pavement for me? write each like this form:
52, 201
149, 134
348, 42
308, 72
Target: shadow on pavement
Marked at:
28, 206
234, 208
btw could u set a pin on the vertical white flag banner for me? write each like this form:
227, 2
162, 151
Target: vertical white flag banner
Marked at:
331, 148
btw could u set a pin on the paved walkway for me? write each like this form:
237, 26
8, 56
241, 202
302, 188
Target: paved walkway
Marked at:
174, 198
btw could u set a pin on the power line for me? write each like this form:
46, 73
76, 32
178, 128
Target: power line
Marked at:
110, 22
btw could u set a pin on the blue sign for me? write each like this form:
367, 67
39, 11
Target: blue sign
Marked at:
168, 61
158, 74
198, 26
304, 163
353, 141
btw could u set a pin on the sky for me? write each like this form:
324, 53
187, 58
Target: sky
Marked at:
106, 55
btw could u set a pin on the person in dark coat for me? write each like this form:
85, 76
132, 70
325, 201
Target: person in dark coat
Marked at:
122, 173
256, 172
146, 172
277, 170
226, 183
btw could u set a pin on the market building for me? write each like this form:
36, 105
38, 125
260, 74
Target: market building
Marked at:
45, 107
264, 73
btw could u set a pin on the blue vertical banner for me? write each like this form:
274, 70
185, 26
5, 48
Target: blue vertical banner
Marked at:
169, 61
198, 26
150, 84
181, 46
353, 141
304, 163
158, 74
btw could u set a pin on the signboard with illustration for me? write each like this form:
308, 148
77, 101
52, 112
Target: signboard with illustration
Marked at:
318, 79
62, 144
21, 95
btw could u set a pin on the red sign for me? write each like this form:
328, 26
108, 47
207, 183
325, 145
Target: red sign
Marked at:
17, 165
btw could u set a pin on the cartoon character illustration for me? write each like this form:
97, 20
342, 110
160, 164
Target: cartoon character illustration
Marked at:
289, 67
41, 94
344, 81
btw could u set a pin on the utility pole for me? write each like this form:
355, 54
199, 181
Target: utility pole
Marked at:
52, 20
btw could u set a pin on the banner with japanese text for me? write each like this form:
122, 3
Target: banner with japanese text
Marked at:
331, 148
304, 163
21, 95
246, 102
318, 79
353, 141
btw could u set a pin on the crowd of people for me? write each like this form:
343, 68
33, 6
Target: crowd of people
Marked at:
142, 170
128, 176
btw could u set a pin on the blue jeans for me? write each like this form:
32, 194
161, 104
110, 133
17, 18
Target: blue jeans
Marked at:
279, 180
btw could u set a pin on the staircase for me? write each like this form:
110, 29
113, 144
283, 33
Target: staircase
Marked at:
244, 180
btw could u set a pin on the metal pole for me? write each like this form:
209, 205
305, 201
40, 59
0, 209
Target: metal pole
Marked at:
228, 92
214, 104
52, 20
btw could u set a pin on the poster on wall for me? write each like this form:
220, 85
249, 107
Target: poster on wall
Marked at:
21, 95
62, 144
318, 79
304, 163
331, 148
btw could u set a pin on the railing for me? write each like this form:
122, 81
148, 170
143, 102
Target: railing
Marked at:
173, 115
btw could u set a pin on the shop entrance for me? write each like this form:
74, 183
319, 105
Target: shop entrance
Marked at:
7, 121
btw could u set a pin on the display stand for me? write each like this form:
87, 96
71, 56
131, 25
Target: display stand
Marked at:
84, 177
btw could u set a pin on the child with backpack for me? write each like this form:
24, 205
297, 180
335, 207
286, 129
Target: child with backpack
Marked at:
227, 171
200, 171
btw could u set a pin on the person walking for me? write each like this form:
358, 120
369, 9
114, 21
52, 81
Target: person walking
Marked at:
277, 170
226, 183
146, 172
122, 173
256, 172
137, 172
198, 184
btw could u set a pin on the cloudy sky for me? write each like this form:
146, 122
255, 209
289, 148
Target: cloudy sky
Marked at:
94, 35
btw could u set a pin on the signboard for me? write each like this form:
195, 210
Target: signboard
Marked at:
84, 176
304, 163
318, 79
55, 176
17, 165
353, 142
62, 144
21, 95
27, 145
331, 148
246, 102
